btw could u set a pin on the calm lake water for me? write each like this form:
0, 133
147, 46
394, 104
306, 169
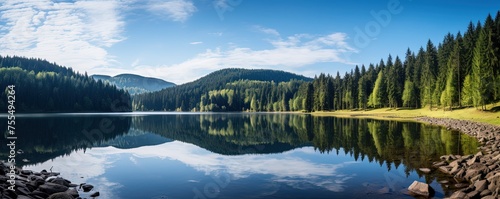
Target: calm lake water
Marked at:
237, 155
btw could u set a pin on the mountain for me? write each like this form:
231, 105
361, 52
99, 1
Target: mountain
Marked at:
135, 84
241, 85
36, 85
135, 138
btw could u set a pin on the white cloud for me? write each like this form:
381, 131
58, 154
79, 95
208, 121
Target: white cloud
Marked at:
175, 10
296, 53
287, 168
196, 42
73, 34
267, 30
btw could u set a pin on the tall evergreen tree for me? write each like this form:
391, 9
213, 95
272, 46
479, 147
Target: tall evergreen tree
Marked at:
309, 97
429, 71
482, 69
451, 93
444, 52
378, 97
409, 94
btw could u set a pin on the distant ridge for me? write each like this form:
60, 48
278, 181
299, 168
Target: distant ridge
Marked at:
135, 84
187, 96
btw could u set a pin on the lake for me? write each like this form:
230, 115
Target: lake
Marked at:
235, 155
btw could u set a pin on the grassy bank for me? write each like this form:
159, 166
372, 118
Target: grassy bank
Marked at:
491, 116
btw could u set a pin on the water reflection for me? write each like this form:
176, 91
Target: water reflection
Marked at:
286, 155
43, 138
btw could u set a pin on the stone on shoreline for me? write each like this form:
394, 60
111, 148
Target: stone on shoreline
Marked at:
61, 195
37, 185
425, 170
481, 170
420, 188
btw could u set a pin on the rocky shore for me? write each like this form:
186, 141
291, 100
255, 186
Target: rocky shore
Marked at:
26, 184
478, 175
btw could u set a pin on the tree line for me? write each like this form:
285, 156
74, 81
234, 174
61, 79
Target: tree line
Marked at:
41, 86
226, 90
462, 70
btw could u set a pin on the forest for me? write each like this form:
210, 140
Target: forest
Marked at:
225, 90
461, 71
41, 86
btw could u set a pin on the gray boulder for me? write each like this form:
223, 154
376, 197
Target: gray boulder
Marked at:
61, 195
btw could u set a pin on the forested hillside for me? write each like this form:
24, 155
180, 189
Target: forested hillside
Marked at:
462, 70
135, 84
226, 90
41, 86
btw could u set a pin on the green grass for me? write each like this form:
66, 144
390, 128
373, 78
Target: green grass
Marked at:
490, 116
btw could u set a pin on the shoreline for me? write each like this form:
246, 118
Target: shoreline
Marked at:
43, 184
479, 172
482, 170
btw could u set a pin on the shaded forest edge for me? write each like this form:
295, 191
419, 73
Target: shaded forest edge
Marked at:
461, 71
41, 86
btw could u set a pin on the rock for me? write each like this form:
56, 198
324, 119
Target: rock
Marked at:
494, 182
444, 169
425, 170
10, 193
23, 197
457, 195
460, 175
476, 178
26, 172
455, 163
422, 189
472, 160
480, 185
23, 191
40, 194
72, 192
51, 188
86, 187
61, 195
473, 194
488, 197
486, 192
95, 194
384, 190
460, 185
438, 164
61, 181
475, 169
454, 170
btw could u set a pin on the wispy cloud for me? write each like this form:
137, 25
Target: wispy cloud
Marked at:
288, 168
196, 42
296, 53
74, 34
175, 10
267, 30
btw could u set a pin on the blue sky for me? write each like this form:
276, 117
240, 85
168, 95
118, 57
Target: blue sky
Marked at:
182, 40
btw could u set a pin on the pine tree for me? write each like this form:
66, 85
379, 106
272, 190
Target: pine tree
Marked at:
354, 87
363, 92
409, 94
451, 93
482, 69
308, 102
444, 51
429, 71
467, 91
378, 96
